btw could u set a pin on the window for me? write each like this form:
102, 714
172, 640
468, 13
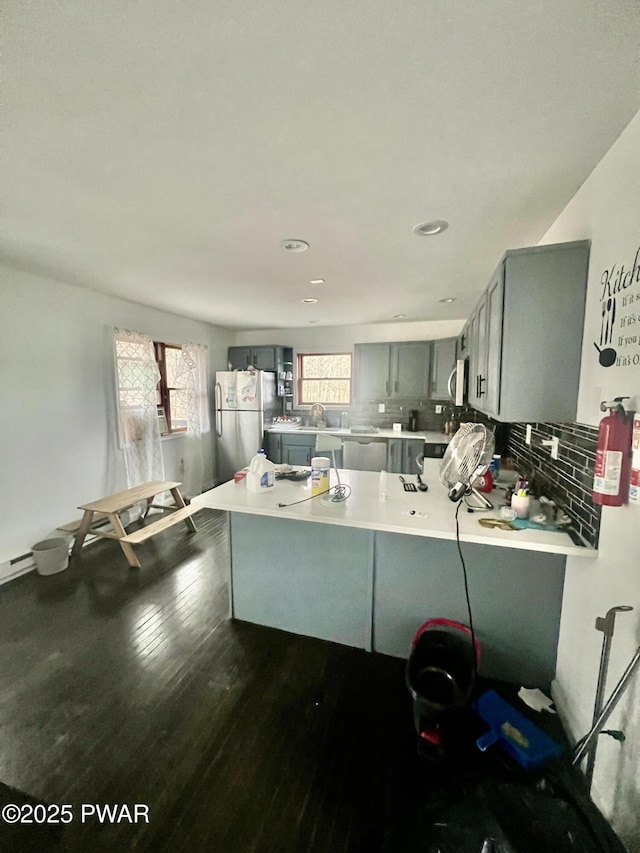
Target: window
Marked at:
324, 378
172, 411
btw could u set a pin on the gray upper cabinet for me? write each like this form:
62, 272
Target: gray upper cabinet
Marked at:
260, 357
392, 371
525, 335
443, 361
462, 343
371, 371
238, 358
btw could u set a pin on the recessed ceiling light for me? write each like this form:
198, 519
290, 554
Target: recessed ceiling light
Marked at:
310, 300
317, 281
449, 299
294, 245
428, 229
399, 316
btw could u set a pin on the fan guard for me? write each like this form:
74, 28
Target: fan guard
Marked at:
466, 458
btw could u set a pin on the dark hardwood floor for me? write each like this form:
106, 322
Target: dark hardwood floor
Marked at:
132, 686
124, 686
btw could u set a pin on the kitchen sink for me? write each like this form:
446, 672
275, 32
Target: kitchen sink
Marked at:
363, 430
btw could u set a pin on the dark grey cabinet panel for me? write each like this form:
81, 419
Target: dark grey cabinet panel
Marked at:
273, 447
297, 449
525, 335
486, 347
401, 455
265, 358
262, 358
411, 449
239, 358
410, 369
273, 359
443, 361
394, 455
392, 371
372, 371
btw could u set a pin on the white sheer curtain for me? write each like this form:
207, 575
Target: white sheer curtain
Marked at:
137, 376
192, 380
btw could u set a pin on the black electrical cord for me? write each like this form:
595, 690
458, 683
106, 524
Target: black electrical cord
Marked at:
466, 592
340, 494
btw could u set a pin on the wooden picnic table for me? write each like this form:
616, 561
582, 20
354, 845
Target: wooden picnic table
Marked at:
112, 505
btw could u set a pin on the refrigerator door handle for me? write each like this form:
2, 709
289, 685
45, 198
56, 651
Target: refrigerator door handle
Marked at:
217, 392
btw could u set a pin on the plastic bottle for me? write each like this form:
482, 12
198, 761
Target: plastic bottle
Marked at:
494, 467
383, 487
261, 475
320, 468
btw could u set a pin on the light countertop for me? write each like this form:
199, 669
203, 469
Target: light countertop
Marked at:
433, 513
430, 436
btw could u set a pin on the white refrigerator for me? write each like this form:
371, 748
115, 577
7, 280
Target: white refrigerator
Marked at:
244, 400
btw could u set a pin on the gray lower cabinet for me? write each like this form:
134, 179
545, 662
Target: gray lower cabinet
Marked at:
392, 371
373, 590
402, 454
282, 448
273, 446
298, 449
516, 598
525, 335
443, 360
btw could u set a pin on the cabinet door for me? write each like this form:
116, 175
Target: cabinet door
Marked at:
264, 358
295, 455
298, 449
239, 358
371, 374
493, 361
394, 455
462, 343
411, 449
442, 363
273, 447
478, 354
410, 369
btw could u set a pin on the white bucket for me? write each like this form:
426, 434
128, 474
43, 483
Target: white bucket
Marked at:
51, 556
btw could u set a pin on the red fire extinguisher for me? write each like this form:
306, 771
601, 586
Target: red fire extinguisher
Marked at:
613, 455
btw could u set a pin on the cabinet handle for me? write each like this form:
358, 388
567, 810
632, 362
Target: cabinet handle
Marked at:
217, 396
450, 384
481, 379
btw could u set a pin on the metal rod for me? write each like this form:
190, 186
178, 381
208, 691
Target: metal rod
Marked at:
607, 626
608, 708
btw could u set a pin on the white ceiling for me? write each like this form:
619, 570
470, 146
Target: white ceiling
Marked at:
160, 150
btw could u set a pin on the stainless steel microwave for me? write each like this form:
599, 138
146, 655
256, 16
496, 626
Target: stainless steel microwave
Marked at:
459, 382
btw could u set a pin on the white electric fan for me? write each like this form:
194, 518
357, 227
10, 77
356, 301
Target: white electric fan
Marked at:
467, 458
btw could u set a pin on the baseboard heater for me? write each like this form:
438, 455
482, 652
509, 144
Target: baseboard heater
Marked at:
18, 566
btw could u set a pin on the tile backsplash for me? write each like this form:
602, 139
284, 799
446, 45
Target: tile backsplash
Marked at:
567, 480
395, 412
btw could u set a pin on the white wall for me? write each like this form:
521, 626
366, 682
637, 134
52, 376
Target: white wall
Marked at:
343, 338
56, 389
606, 210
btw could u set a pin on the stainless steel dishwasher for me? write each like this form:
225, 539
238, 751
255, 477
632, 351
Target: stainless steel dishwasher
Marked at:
364, 454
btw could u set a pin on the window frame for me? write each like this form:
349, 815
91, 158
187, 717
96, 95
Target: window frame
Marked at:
164, 389
301, 377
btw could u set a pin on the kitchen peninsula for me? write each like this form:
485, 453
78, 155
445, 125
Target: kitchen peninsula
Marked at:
367, 573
